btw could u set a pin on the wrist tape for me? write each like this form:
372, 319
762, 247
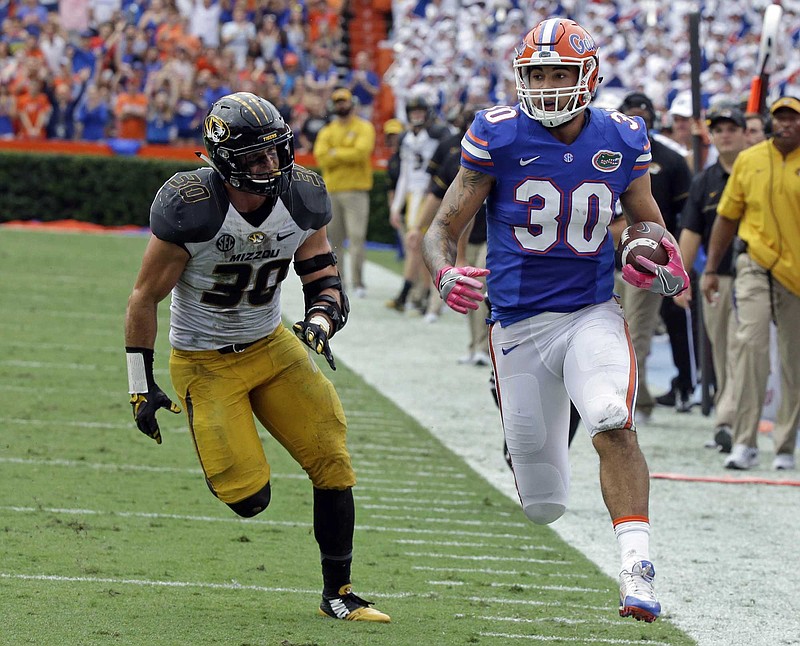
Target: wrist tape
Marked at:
140, 369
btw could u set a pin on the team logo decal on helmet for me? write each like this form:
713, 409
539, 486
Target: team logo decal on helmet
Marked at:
216, 129
561, 43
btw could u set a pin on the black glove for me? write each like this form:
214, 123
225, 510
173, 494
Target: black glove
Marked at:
314, 334
146, 403
145, 406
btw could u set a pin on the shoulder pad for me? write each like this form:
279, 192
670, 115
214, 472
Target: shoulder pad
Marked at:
307, 200
500, 129
484, 139
189, 207
631, 130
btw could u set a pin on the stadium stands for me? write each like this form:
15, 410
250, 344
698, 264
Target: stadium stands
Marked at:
149, 69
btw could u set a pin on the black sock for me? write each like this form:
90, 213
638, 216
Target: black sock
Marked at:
334, 520
407, 285
335, 574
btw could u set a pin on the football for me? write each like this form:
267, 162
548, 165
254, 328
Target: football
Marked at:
643, 240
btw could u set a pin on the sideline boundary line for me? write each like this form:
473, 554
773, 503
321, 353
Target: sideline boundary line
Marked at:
681, 477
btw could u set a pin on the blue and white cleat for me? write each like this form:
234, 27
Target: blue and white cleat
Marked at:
637, 598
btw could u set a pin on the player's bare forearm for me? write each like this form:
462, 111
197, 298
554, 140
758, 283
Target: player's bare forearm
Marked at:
459, 205
140, 321
639, 204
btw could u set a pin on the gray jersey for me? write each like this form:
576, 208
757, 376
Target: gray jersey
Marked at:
229, 291
416, 150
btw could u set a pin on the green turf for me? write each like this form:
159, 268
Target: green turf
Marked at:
108, 538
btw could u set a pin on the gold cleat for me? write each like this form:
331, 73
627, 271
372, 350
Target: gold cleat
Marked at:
351, 607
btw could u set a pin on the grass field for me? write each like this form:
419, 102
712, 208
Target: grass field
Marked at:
108, 538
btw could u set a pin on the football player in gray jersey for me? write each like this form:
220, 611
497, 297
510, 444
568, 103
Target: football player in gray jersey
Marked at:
223, 239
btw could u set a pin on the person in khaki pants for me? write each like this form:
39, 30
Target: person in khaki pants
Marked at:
343, 149
762, 198
670, 179
726, 127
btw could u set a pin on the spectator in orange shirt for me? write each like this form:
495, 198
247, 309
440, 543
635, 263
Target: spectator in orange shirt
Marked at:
130, 108
322, 20
172, 33
33, 109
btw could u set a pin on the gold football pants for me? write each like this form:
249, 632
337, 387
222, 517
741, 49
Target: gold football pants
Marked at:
275, 380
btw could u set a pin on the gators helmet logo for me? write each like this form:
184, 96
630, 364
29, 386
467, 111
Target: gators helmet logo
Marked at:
216, 129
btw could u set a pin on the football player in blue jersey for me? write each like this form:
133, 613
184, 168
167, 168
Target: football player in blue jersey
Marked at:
552, 169
223, 239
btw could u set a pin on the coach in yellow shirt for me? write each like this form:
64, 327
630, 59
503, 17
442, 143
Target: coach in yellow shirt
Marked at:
343, 150
762, 198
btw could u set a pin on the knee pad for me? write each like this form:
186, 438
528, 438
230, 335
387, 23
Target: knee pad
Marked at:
542, 491
254, 504
544, 513
606, 413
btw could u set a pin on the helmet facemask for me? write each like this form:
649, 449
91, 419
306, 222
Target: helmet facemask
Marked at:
263, 169
532, 101
556, 43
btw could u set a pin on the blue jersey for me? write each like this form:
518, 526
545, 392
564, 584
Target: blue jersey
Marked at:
549, 249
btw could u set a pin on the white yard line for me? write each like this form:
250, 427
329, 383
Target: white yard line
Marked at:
186, 584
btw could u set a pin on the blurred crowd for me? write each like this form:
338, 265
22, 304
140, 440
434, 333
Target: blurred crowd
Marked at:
148, 70
460, 51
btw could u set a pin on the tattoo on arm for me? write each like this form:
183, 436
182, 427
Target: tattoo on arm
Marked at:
460, 203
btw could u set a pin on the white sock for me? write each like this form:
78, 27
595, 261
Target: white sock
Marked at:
633, 536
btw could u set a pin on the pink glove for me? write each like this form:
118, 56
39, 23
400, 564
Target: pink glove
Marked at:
668, 280
457, 287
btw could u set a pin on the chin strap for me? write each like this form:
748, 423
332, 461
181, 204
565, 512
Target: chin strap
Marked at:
205, 158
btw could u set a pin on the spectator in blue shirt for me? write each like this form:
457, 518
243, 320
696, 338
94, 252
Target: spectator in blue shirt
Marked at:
215, 89
364, 84
93, 116
161, 127
64, 100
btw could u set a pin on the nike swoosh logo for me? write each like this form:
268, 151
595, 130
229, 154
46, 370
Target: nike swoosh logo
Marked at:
283, 237
643, 228
672, 284
525, 162
507, 350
